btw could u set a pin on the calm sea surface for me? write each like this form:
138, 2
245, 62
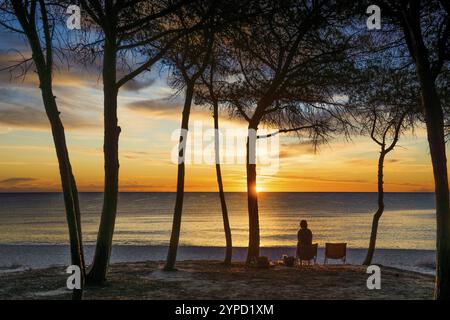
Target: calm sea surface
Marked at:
145, 219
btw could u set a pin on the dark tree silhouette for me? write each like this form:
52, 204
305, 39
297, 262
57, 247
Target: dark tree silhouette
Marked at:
36, 21
425, 32
385, 131
140, 27
209, 91
189, 58
385, 103
287, 63
392, 126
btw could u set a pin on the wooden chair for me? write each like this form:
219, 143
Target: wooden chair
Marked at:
335, 251
307, 253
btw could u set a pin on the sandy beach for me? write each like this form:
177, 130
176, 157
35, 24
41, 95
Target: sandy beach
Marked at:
212, 280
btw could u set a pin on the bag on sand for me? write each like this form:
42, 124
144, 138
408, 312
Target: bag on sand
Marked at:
262, 262
289, 261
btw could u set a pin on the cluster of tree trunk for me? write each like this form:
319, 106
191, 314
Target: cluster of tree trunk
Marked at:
42, 55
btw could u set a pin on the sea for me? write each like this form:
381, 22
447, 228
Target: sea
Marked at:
33, 229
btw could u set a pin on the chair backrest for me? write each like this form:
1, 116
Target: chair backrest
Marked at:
307, 252
335, 250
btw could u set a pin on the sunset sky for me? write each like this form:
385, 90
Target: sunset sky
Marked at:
148, 117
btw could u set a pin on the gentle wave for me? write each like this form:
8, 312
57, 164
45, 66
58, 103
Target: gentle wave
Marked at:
146, 219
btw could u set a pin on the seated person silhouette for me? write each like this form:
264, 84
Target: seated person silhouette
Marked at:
304, 234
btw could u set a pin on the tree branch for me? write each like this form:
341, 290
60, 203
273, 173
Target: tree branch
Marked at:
285, 130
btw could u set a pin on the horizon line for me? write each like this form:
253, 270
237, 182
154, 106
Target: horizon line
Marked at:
60, 192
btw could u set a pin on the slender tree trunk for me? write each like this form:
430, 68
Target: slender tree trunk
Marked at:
377, 215
67, 182
226, 222
252, 198
176, 224
436, 141
78, 216
44, 65
98, 271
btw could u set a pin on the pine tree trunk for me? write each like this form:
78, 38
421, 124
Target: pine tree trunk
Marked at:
436, 141
252, 198
176, 223
377, 215
76, 202
226, 222
67, 182
99, 268
44, 67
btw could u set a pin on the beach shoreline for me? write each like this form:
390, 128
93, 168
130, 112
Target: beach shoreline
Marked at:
210, 279
21, 257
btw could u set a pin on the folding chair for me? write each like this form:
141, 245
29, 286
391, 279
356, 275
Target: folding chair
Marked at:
335, 251
307, 253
